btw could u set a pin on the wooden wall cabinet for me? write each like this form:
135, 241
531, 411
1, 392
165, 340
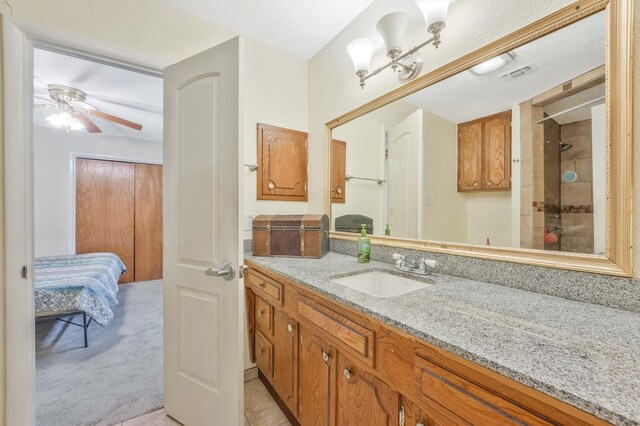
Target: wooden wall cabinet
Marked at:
282, 164
484, 154
335, 366
338, 171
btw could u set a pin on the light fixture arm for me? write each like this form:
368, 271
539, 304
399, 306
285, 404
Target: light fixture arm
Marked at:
395, 62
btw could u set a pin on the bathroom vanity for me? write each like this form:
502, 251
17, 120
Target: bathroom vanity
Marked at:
453, 352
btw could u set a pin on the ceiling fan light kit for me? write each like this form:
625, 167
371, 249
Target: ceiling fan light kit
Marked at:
74, 111
392, 28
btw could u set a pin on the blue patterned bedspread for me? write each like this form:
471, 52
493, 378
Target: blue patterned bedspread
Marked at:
83, 282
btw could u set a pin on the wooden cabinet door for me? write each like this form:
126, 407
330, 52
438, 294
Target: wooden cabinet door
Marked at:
470, 156
415, 414
282, 164
497, 152
148, 222
338, 171
316, 380
285, 339
363, 399
105, 210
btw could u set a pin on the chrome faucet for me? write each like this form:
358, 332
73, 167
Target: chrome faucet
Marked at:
420, 268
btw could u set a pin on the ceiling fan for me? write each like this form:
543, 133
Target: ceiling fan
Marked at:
74, 112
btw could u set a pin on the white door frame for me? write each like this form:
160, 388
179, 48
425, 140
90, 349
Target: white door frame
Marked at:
73, 156
19, 40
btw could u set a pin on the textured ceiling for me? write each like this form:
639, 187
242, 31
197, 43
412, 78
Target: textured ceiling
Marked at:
133, 96
557, 58
298, 27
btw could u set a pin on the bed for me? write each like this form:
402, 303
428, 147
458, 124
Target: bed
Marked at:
86, 284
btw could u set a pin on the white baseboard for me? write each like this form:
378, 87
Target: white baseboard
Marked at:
250, 374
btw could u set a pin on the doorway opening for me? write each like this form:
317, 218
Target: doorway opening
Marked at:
97, 182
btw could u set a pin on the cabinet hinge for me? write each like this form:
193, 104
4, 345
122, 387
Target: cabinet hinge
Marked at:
25, 272
401, 416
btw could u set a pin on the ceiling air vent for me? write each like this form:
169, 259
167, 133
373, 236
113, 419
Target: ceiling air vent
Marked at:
517, 72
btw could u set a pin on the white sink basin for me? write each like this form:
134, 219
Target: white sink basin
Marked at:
381, 284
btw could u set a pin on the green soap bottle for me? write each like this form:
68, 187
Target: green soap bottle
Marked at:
364, 246
387, 231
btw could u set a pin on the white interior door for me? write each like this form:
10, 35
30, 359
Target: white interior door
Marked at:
203, 319
404, 179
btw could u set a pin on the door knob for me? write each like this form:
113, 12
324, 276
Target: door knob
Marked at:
241, 270
227, 272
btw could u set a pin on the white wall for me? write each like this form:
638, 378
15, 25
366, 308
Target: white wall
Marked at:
276, 94
515, 176
445, 210
53, 192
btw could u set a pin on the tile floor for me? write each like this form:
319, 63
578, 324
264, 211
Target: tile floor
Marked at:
259, 410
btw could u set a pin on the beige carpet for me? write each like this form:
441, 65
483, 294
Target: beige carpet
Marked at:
118, 377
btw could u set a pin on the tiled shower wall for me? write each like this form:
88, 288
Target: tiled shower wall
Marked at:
552, 157
577, 197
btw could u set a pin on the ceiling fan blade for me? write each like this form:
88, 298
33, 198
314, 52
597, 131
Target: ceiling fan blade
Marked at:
89, 125
115, 119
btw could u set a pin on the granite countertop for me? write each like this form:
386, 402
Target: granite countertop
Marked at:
586, 355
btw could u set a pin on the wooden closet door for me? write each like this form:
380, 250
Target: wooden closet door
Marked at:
148, 222
105, 210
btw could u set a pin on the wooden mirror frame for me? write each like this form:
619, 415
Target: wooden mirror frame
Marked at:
618, 259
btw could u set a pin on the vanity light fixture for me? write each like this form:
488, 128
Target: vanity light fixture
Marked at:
492, 64
392, 28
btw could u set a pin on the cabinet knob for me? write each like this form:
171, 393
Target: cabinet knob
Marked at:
261, 285
325, 356
419, 424
347, 374
260, 351
339, 190
475, 184
289, 327
490, 183
261, 312
271, 185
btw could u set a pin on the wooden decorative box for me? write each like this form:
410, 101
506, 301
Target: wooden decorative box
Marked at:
291, 235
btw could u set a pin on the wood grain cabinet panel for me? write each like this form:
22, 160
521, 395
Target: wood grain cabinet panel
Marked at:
316, 380
264, 315
285, 360
497, 152
105, 197
363, 399
484, 154
264, 354
282, 164
148, 222
338, 171
470, 156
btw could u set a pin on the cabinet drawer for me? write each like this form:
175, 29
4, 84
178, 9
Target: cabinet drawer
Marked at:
265, 286
353, 337
469, 401
264, 315
264, 354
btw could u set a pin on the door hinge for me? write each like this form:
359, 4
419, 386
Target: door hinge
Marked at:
25, 272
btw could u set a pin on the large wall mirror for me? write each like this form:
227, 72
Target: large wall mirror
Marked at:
519, 151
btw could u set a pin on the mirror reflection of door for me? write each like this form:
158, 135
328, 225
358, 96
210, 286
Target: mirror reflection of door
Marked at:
404, 180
